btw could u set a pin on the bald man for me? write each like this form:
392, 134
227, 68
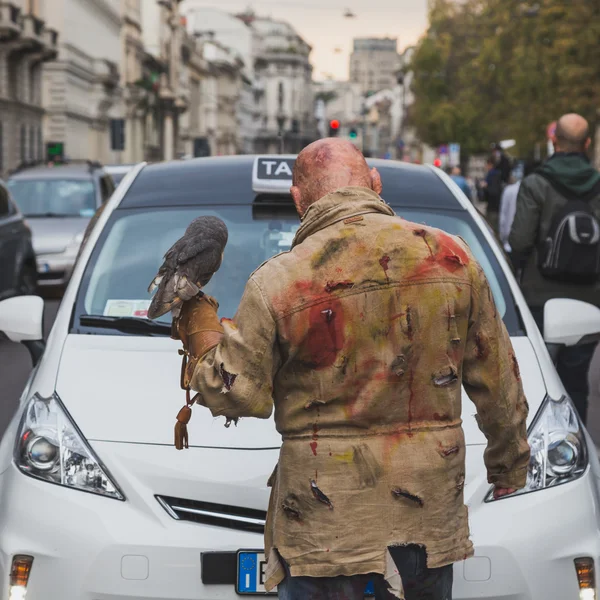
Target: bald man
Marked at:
360, 337
566, 176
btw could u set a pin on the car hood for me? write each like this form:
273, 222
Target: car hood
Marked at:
53, 234
126, 389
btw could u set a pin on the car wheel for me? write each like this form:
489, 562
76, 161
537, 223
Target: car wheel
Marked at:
27, 280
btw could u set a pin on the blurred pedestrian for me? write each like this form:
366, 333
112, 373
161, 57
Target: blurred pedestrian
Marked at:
554, 238
508, 205
594, 398
502, 163
492, 192
461, 182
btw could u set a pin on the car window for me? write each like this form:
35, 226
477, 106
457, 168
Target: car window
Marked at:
54, 197
133, 243
5, 207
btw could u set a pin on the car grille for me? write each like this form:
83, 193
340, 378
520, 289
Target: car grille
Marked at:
218, 515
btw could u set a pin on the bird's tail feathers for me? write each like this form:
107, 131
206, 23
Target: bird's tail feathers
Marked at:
155, 283
171, 294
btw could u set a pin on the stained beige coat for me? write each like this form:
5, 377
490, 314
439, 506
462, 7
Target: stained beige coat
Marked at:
360, 337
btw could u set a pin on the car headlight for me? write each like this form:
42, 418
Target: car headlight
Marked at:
558, 447
50, 447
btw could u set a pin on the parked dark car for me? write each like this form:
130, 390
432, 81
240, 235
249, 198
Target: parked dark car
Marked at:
18, 275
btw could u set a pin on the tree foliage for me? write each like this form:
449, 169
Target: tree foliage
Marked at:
500, 69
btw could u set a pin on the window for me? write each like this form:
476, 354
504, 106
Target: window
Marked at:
54, 197
5, 208
32, 146
40, 143
23, 144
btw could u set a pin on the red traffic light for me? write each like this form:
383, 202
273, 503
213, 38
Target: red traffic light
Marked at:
437, 163
335, 124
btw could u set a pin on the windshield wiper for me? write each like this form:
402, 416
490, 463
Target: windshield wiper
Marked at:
126, 324
48, 215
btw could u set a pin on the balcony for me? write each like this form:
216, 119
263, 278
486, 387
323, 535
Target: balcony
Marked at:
26, 33
10, 26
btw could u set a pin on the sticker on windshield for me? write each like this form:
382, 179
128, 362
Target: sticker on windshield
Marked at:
126, 308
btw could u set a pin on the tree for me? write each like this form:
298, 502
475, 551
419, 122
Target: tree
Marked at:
493, 69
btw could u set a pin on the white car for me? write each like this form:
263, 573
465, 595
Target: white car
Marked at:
96, 503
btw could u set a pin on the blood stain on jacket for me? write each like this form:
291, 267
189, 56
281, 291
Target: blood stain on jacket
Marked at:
384, 261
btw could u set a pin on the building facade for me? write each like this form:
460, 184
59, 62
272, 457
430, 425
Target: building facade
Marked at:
374, 63
283, 70
163, 33
82, 88
26, 43
136, 97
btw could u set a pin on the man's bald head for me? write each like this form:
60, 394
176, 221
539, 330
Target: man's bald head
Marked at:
326, 166
572, 134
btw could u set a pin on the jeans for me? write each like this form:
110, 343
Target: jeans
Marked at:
572, 365
419, 582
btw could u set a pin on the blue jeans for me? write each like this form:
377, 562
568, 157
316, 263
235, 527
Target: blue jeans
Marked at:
419, 582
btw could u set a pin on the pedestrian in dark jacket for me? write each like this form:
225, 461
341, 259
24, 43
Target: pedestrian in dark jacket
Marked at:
492, 188
565, 176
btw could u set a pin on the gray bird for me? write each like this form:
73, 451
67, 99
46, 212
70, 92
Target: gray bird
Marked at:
189, 265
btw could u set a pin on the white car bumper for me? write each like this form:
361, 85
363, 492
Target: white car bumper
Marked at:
87, 547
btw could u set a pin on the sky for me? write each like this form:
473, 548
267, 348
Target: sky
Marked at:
323, 25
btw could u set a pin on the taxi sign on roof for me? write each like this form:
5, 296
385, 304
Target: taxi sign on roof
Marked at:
272, 174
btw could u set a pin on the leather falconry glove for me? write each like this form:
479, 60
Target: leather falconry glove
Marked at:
199, 329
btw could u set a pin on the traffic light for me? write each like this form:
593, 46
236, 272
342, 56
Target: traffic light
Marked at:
334, 127
353, 134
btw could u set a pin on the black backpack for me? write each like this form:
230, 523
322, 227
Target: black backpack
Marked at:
571, 250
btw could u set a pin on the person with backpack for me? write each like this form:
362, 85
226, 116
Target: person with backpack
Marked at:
555, 239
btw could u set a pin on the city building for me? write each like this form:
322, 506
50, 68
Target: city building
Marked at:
26, 43
221, 97
136, 97
374, 63
282, 68
233, 38
81, 89
163, 34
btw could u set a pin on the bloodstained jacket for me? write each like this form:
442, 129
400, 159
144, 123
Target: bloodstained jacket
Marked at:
360, 337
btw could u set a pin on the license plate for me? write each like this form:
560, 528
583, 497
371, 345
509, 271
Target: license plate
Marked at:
251, 575
43, 267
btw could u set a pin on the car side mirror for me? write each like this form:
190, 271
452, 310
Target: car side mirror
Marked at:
571, 322
21, 320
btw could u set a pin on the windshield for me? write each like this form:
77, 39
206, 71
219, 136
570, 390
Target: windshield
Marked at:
131, 248
54, 197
